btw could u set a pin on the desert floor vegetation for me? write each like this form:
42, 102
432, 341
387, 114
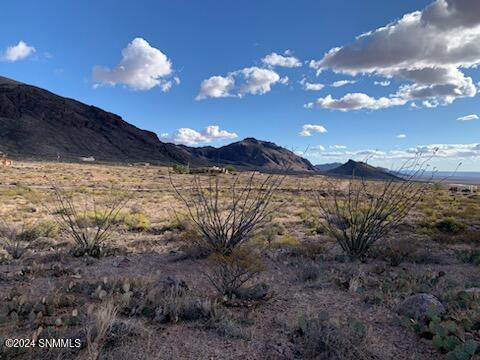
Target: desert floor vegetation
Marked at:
172, 279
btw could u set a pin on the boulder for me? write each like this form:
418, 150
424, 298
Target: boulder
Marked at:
417, 306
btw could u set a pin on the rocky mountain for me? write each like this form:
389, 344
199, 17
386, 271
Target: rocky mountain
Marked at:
37, 124
328, 166
362, 170
253, 153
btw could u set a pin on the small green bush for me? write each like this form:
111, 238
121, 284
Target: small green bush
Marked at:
181, 169
230, 168
469, 256
136, 221
450, 226
46, 228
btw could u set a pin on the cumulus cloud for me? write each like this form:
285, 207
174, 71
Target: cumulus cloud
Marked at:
401, 136
251, 80
191, 137
356, 101
469, 117
428, 49
17, 52
257, 81
311, 86
341, 83
216, 87
338, 147
309, 130
275, 59
142, 67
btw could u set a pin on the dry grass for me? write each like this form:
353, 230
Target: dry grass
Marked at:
305, 270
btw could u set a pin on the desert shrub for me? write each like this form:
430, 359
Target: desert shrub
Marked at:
450, 226
286, 241
88, 223
323, 339
312, 221
180, 169
309, 273
471, 256
367, 212
228, 273
99, 330
397, 251
226, 325
230, 168
227, 218
467, 237
136, 221
12, 240
46, 228
270, 232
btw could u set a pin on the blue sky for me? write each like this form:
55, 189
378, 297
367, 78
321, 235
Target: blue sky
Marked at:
189, 66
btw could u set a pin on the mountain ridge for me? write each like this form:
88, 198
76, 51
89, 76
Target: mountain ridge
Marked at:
38, 124
362, 170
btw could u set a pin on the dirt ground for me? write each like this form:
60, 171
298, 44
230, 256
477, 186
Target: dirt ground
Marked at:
305, 271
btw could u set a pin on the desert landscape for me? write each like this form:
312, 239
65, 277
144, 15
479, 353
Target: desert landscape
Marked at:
251, 180
149, 286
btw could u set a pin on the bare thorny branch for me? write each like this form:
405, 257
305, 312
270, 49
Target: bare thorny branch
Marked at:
89, 225
227, 217
368, 211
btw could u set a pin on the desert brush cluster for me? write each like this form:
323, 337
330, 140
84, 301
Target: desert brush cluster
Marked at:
155, 263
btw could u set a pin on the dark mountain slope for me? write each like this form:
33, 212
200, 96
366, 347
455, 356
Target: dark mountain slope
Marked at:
326, 167
37, 124
257, 154
362, 170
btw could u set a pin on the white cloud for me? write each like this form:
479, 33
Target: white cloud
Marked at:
191, 137
251, 80
427, 49
283, 80
338, 147
17, 52
355, 101
311, 86
469, 117
401, 136
309, 130
257, 81
142, 67
341, 83
441, 151
216, 87
384, 83
275, 59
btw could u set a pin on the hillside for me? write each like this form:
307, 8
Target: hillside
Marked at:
362, 170
253, 153
37, 124
328, 166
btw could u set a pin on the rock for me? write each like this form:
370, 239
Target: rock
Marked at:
417, 306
